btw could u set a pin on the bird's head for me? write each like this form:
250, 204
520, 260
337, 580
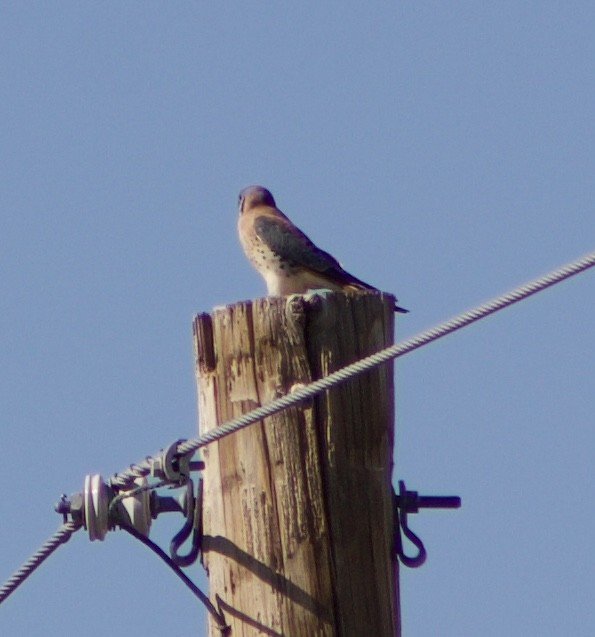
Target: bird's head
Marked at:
254, 196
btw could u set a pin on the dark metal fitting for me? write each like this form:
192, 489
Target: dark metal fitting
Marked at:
73, 507
411, 502
192, 526
172, 466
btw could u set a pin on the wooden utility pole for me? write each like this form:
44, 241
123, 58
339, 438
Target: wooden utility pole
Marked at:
298, 508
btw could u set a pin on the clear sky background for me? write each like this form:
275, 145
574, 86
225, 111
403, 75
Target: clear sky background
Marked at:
443, 151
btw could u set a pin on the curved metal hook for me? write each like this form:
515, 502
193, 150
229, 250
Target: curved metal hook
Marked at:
410, 561
411, 502
405, 502
193, 525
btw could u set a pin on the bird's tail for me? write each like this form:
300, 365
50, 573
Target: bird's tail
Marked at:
356, 284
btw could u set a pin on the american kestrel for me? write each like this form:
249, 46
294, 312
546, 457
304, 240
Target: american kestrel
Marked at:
285, 257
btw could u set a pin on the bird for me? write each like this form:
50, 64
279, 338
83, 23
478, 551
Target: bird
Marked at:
284, 256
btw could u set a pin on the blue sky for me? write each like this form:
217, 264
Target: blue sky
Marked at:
442, 151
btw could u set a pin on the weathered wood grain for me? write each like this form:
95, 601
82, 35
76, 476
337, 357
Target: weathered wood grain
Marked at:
298, 509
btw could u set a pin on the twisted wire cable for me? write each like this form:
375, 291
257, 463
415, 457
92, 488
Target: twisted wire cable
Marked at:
143, 468
394, 351
61, 536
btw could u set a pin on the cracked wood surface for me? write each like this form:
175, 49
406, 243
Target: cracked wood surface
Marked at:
298, 508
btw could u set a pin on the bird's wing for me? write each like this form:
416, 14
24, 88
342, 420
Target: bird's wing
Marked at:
292, 245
